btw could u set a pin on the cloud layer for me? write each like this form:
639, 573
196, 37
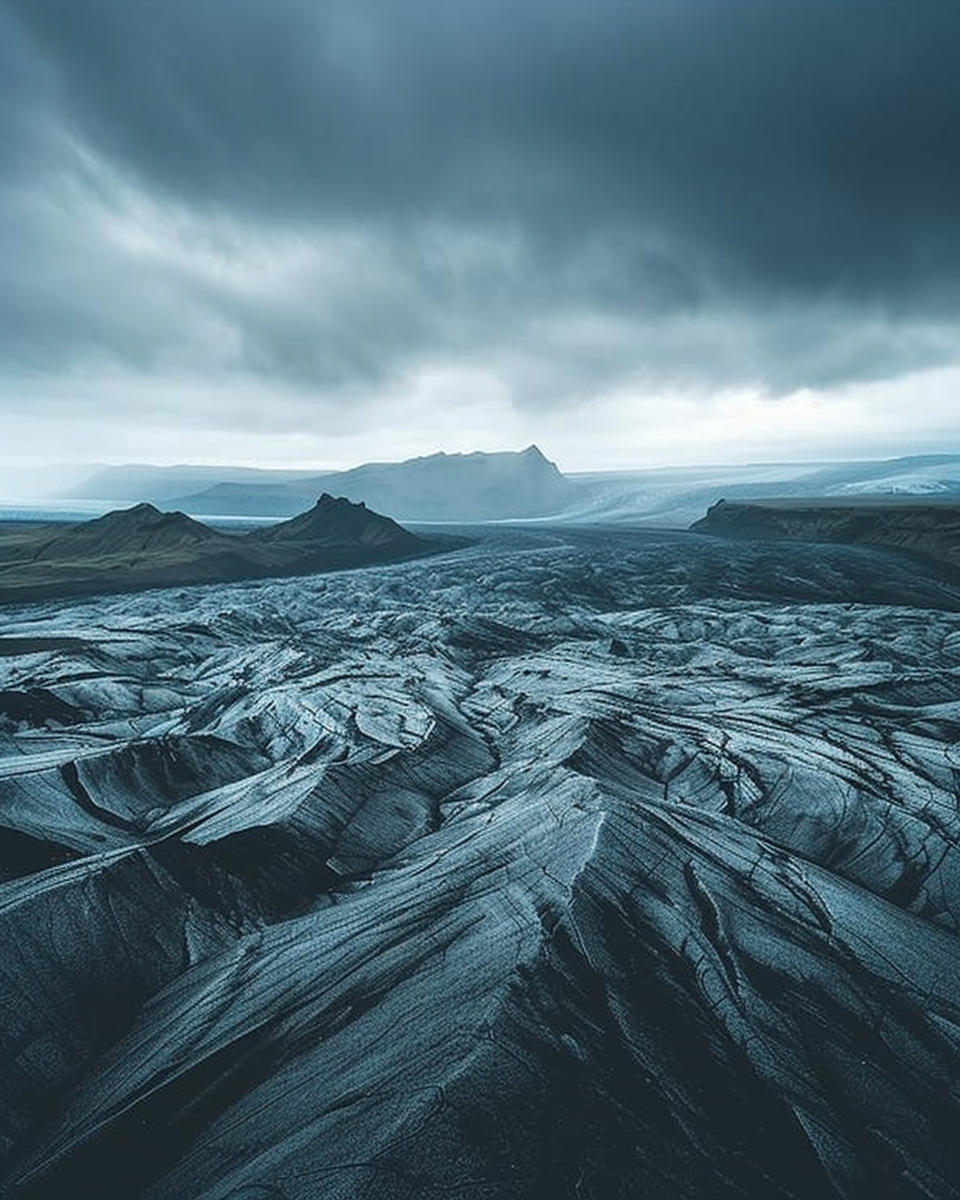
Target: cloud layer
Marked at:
336, 200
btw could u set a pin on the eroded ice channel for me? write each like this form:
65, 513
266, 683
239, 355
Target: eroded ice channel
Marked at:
571, 864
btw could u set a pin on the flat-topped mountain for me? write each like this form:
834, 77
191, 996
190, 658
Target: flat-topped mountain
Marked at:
921, 527
142, 547
439, 487
463, 487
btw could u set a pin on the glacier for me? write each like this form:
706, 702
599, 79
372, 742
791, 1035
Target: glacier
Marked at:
576, 862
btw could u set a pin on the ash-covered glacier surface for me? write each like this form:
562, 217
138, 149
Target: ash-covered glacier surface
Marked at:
572, 864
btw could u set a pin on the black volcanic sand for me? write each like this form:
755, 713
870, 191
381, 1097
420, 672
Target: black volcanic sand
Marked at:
572, 864
141, 547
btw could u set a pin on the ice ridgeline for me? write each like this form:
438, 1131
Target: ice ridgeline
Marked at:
583, 865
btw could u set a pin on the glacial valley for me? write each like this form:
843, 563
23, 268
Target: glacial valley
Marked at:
572, 863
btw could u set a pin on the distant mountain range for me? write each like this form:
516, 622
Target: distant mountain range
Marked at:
440, 487
141, 547
520, 485
162, 485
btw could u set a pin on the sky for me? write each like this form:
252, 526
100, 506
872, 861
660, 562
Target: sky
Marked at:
636, 232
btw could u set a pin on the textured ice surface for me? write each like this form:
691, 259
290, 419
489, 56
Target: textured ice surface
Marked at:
572, 864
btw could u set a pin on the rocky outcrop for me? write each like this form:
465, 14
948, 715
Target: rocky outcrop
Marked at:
929, 531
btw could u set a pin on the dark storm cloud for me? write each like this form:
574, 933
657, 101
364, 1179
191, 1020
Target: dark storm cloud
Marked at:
710, 191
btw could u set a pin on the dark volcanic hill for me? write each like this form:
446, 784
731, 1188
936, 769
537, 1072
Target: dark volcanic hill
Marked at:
141, 547
141, 532
929, 530
439, 487
336, 522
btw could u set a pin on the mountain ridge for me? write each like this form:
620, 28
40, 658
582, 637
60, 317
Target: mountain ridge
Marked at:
475, 486
521, 485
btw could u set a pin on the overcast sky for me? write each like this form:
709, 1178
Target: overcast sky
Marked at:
637, 232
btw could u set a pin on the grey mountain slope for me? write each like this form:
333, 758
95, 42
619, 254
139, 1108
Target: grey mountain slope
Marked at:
439, 487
